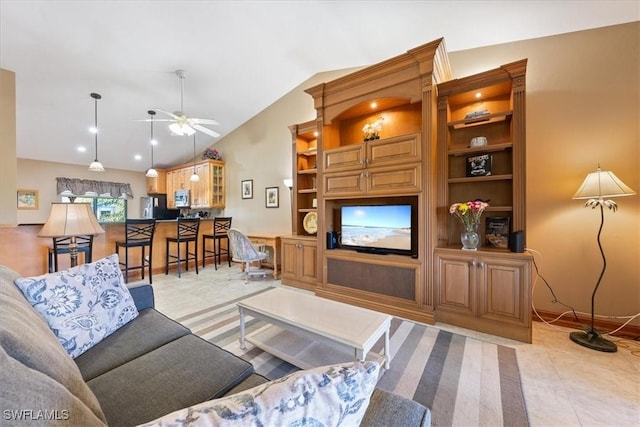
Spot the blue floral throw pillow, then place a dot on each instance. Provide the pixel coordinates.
(82, 305)
(321, 397)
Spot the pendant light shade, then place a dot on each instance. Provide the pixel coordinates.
(96, 166)
(194, 176)
(152, 173)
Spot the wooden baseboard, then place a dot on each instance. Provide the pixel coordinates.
(602, 325)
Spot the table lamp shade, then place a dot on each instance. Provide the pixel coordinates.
(70, 219)
(600, 184)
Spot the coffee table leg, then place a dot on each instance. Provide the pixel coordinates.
(387, 352)
(242, 345)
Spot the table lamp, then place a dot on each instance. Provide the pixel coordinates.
(71, 220)
(596, 186)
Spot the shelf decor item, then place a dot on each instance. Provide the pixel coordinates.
(596, 186)
(469, 214)
(497, 232)
(479, 165)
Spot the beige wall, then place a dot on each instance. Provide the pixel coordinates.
(582, 108)
(35, 174)
(8, 174)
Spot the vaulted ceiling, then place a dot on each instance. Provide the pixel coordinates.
(239, 57)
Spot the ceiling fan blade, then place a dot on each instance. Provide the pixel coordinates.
(168, 114)
(205, 122)
(206, 130)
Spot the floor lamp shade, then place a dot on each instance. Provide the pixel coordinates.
(596, 186)
(71, 220)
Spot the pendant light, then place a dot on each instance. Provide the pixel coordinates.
(194, 177)
(96, 166)
(152, 173)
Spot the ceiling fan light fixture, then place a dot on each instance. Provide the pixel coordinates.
(181, 129)
(96, 166)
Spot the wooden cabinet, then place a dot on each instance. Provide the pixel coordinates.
(158, 184)
(389, 166)
(395, 166)
(490, 105)
(488, 290)
(208, 192)
(299, 261)
(485, 291)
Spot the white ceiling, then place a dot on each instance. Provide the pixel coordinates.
(239, 57)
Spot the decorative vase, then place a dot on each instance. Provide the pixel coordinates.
(470, 238)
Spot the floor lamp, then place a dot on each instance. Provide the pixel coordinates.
(596, 186)
(71, 220)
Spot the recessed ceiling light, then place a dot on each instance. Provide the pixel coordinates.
(137, 157)
(478, 94)
(374, 105)
(81, 149)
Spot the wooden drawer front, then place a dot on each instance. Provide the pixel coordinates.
(343, 184)
(456, 287)
(405, 149)
(344, 158)
(503, 297)
(394, 179)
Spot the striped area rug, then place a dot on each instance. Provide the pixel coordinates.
(465, 381)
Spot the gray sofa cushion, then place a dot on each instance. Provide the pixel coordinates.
(150, 330)
(179, 374)
(32, 398)
(26, 337)
(387, 409)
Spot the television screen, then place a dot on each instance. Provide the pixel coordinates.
(377, 228)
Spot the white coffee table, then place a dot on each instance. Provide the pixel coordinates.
(302, 324)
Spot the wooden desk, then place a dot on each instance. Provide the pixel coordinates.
(271, 240)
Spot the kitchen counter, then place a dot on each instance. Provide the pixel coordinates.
(26, 241)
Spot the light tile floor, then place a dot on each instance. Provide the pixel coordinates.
(564, 384)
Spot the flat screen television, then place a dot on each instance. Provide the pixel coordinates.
(383, 229)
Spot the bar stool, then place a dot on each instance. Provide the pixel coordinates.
(138, 234)
(187, 232)
(61, 246)
(221, 226)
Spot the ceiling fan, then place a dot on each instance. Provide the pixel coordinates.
(182, 124)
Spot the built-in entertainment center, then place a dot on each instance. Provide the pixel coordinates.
(375, 174)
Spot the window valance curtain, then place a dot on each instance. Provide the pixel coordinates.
(91, 188)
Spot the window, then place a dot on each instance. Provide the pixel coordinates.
(106, 209)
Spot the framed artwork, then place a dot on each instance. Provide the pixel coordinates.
(246, 187)
(27, 199)
(271, 197)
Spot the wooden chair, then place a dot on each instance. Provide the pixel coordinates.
(138, 234)
(221, 226)
(61, 246)
(187, 233)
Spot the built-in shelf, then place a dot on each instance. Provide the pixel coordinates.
(483, 120)
(308, 171)
(486, 149)
(308, 191)
(480, 178)
(310, 152)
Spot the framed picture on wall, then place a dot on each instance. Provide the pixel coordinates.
(246, 187)
(27, 199)
(271, 197)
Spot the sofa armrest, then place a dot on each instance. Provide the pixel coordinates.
(142, 296)
(388, 409)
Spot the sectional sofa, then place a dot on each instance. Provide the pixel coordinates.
(149, 367)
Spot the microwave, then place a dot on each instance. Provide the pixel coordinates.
(181, 199)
